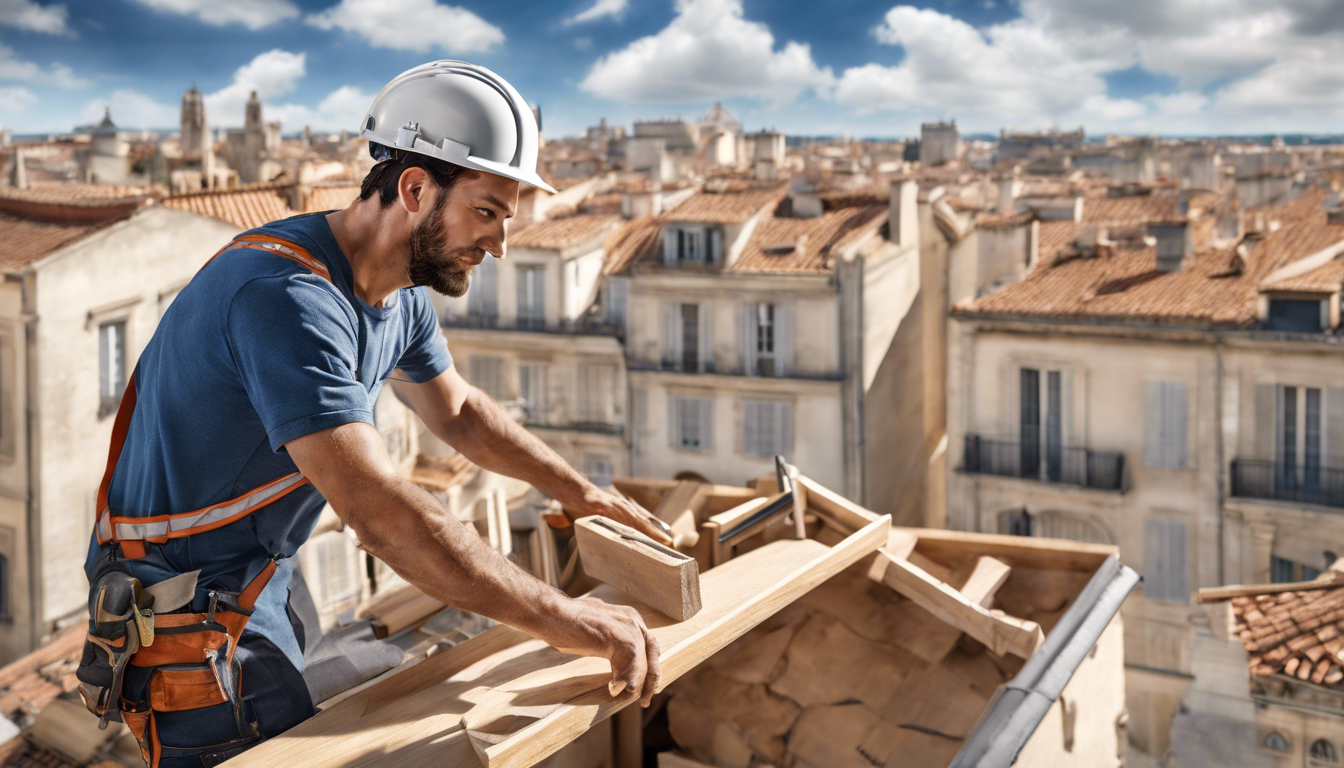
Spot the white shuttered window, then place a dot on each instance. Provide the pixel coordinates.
(1166, 417)
(532, 389)
(1164, 561)
(767, 427)
(690, 422)
(487, 373)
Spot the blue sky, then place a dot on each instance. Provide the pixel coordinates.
(867, 68)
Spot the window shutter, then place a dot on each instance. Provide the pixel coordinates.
(783, 338)
(706, 332)
(1154, 563)
(1334, 427)
(746, 321)
(671, 333)
(716, 254)
(1152, 423)
(1176, 426)
(785, 422)
(1177, 589)
(707, 424)
(770, 427)
(750, 427)
(1067, 386)
(673, 423)
(483, 295)
(1265, 412)
(618, 296)
(669, 246)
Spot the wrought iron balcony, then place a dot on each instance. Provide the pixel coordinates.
(676, 365)
(1302, 482)
(582, 326)
(1033, 460)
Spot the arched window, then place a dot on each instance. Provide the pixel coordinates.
(1324, 751)
(1015, 522)
(1277, 742)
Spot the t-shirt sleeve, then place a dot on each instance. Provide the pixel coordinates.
(426, 354)
(295, 350)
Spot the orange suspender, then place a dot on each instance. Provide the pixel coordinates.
(132, 532)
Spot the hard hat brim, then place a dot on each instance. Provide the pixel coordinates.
(531, 178)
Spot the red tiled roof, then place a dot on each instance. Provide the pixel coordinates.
(19, 752)
(1215, 286)
(31, 682)
(787, 245)
(330, 198)
(1299, 634)
(27, 240)
(724, 207)
(638, 240)
(78, 194)
(557, 234)
(246, 207)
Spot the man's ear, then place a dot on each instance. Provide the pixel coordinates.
(411, 188)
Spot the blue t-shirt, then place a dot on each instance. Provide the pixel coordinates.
(254, 352)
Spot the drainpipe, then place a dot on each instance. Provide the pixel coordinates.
(1219, 457)
(32, 505)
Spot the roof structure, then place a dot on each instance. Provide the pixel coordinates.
(246, 207)
(1294, 630)
(28, 240)
(638, 240)
(1216, 286)
(330, 198)
(805, 245)
(558, 234)
(731, 206)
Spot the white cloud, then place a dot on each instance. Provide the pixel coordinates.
(272, 74)
(59, 75)
(15, 99)
(131, 109)
(709, 51)
(411, 25)
(342, 109)
(26, 14)
(598, 10)
(253, 14)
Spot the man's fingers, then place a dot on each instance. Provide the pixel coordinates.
(628, 668)
(655, 668)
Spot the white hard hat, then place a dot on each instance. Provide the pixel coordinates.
(460, 113)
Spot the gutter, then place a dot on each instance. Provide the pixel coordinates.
(1019, 706)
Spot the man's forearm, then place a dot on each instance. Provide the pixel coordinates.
(485, 434)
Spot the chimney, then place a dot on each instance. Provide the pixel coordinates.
(903, 214)
(1173, 244)
(1009, 188)
(20, 178)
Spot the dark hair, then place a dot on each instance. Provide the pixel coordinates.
(384, 177)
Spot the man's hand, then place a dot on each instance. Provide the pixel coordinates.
(618, 634)
(622, 510)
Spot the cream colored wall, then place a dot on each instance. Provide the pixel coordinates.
(1081, 728)
(814, 345)
(156, 250)
(1302, 726)
(565, 298)
(817, 428)
(19, 634)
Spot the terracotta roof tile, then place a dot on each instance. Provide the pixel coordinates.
(788, 245)
(247, 207)
(638, 240)
(85, 194)
(27, 241)
(32, 681)
(728, 207)
(558, 234)
(1294, 633)
(1215, 286)
(1131, 209)
(330, 198)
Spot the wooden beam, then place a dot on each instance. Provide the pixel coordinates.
(524, 700)
(1216, 594)
(1000, 633)
(837, 507)
(1014, 550)
(720, 552)
(661, 578)
(678, 510)
(628, 735)
(980, 581)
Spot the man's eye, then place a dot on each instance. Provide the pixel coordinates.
(486, 212)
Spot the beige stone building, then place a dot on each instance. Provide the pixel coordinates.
(1174, 392)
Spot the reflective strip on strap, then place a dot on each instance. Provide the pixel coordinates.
(187, 523)
(304, 259)
(104, 525)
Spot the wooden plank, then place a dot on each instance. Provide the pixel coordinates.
(628, 735)
(675, 760)
(980, 581)
(725, 521)
(661, 578)
(722, 498)
(1055, 554)
(1000, 633)
(842, 510)
(678, 510)
(1215, 594)
(646, 492)
(416, 718)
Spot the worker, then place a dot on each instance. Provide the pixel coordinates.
(251, 408)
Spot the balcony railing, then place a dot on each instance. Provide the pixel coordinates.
(672, 365)
(1082, 467)
(591, 427)
(581, 326)
(1300, 483)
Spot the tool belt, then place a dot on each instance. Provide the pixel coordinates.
(190, 656)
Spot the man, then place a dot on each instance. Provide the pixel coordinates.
(252, 405)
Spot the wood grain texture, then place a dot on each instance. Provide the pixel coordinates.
(657, 576)
(504, 683)
(1001, 633)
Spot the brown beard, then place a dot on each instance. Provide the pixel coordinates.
(432, 263)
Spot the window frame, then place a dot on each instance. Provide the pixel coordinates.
(110, 392)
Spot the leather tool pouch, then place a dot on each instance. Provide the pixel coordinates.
(191, 666)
